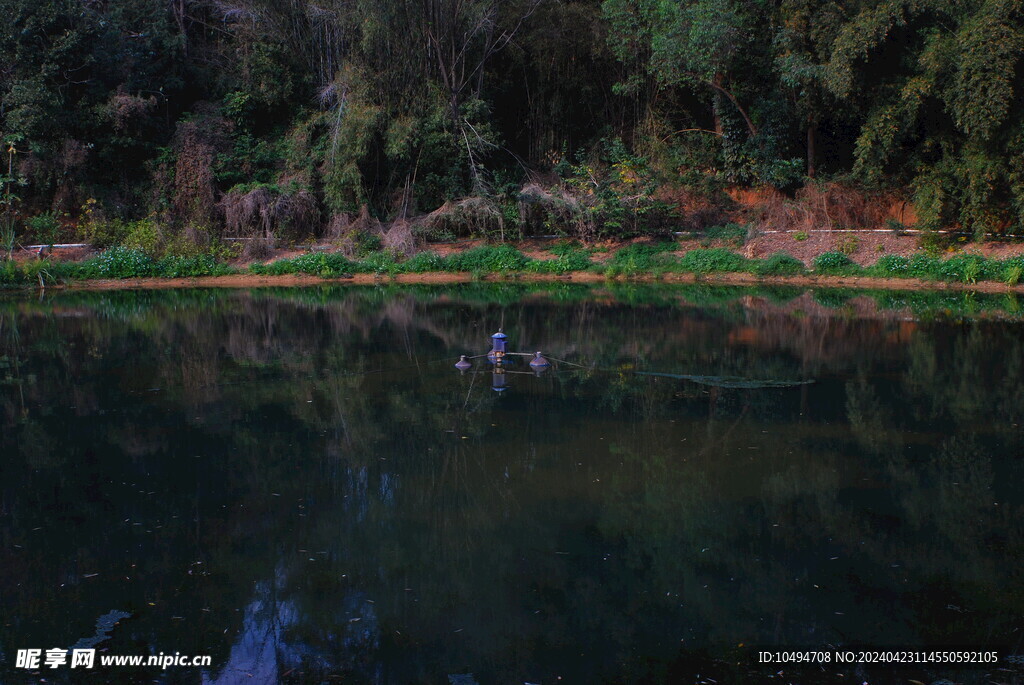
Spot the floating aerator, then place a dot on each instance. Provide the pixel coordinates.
(539, 361)
(498, 342)
(501, 359)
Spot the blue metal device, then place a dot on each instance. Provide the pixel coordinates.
(499, 341)
(538, 361)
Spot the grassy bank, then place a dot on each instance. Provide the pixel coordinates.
(651, 261)
(654, 260)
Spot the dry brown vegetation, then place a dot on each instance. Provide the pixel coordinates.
(264, 216)
(126, 111)
(828, 206)
(346, 232)
(696, 211)
(197, 143)
(467, 217)
(542, 208)
(400, 239)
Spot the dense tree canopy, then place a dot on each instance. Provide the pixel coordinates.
(164, 109)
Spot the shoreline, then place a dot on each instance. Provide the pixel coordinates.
(247, 280)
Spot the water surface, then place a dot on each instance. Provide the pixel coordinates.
(299, 484)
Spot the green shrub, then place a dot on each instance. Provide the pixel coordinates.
(94, 227)
(489, 259)
(932, 242)
(33, 273)
(323, 264)
(1012, 270)
(369, 243)
(848, 245)
(780, 264)
(425, 262)
(278, 268)
(124, 262)
(314, 263)
(45, 228)
(569, 258)
(121, 262)
(641, 258)
(11, 274)
(969, 269)
(612, 196)
(972, 270)
(965, 268)
(924, 265)
(716, 259)
(485, 259)
(379, 263)
(190, 267)
(801, 236)
(143, 235)
(225, 251)
(833, 262)
(892, 265)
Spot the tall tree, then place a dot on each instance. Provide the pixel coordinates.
(938, 86)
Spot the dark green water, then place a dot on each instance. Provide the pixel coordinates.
(299, 484)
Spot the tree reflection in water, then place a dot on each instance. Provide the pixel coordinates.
(296, 482)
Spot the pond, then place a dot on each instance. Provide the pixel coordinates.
(299, 484)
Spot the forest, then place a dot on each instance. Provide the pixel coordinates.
(172, 126)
